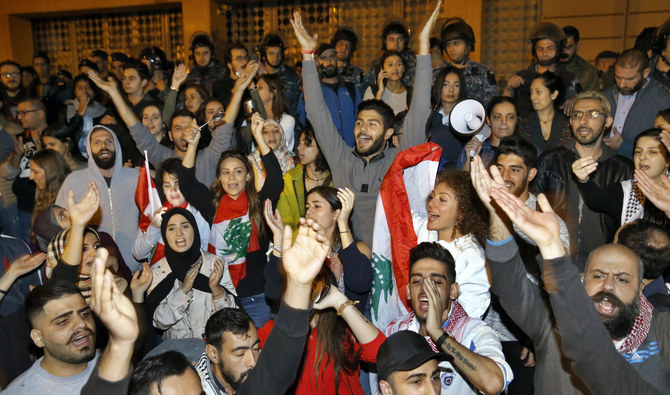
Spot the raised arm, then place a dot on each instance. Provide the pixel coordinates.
(517, 294)
(80, 213)
(414, 126)
(302, 262)
(331, 142)
(116, 311)
(109, 86)
(178, 77)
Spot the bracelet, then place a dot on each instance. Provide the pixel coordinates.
(2, 291)
(440, 341)
(309, 51)
(172, 88)
(345, 231)
(274, 247)
(345, 305)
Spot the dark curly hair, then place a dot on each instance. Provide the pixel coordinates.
(472, 215)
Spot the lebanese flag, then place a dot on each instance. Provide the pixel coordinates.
(401, 199)
(146, 196)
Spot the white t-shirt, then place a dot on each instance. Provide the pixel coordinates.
(397, 101)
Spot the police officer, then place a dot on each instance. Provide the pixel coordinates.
(345, 42)
(458, 40)
(395, 37)
(546, 42)
(272, 59)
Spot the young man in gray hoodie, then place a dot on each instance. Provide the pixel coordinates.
(118, 214)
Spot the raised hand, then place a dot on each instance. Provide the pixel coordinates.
(424, 36)
(157, 218)
(215, 278)
(583, 167)
(114, 309)
(80, 213)
(542, 227)
(303, 260)
(247, 76)
(659, 194)
(347, 198)
(140, 282)
(179, 75)
(483, 183)
(192, 133)
(274, 221)
(307, 42)
(109, 86)
(189, 279)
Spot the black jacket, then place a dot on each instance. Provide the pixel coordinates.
(556, 180)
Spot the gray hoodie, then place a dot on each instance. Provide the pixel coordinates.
(118, 214)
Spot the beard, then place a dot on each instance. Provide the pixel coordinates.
(61, 352)
(619, 325)
(230, 376)
(105, 163)
(630, 91)
(374, 147)
(588, 140)
(328, 72)
(546, 62)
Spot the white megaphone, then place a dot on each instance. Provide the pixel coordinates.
(469, 117)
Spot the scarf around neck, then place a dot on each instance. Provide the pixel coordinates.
(234, 235)
(640, 328)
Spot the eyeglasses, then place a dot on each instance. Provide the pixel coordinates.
(11, 75)
(21, 113)
(591, 114)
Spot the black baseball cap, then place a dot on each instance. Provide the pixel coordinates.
(404, 351)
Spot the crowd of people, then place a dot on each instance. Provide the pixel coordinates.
(237, 227)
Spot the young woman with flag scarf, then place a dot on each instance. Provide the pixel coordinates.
(238, 233)
(148, 243)
(188, 284)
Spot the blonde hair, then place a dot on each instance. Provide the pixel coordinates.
(593, 95)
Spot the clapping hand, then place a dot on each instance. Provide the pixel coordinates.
(140, 282)
(215, 278)
(659, 194)
(189, 279)
(274, 222)
(583, 167)
(347, 198)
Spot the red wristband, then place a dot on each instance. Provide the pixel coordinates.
(309, 51)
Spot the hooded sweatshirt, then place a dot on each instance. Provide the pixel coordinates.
(118, 214)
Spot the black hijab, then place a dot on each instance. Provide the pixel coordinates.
(179, 262)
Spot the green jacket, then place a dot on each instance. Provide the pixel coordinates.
(291, 204)
(585, 72)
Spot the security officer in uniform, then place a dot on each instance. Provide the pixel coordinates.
(546, 42)
(395, 37)
(272, 60)
(458, 40)
(345, 42)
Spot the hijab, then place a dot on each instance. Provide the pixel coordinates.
(179, 262)
(284, 157)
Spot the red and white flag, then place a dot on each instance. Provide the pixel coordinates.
(402, 196)
(146, 196)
